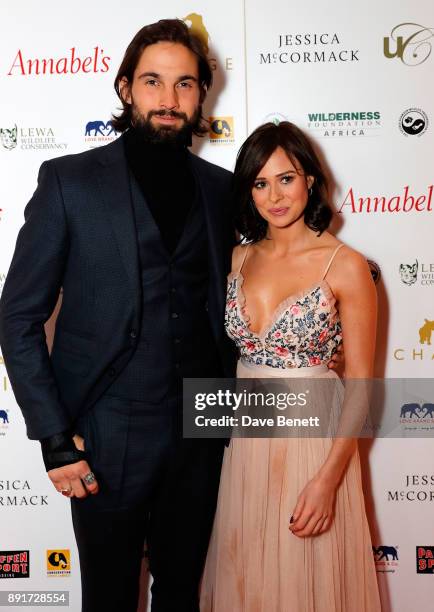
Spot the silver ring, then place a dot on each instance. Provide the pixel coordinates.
(89, 478)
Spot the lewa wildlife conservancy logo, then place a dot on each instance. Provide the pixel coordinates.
(345, 124)
(425, 559)
(422, 351)
(386, 559)
(416, 273)
(30, 139)
(410, 43)
(58, 562)
(221, 130)
(413, 122)
(311, 48)
(97, 133)
(416, 488)
(197, 25)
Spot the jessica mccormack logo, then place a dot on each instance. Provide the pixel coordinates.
(309, 48)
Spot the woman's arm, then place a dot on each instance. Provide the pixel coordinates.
(355, 292)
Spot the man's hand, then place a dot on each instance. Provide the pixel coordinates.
(337, 360)
(69, 480)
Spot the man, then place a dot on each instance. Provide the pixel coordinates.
(137, 234)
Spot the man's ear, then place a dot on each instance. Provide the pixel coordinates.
(125, 90)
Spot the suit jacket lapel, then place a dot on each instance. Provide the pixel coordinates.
(114, 184)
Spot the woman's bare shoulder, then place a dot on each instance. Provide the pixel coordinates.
(350, 268)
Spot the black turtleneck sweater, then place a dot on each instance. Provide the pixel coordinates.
(166, 179)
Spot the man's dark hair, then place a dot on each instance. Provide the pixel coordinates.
(253, 156)
(165, 30)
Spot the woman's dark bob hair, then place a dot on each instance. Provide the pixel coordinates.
(253, 156)
(165, 30)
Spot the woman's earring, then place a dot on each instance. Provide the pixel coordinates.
(310, 191)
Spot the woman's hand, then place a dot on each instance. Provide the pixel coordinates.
(313, 513)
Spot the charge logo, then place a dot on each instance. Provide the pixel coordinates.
(59, 562)
(425, 559)
(221, 130)
(14, 564)
(197, 26)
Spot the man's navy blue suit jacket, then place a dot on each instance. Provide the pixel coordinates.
(79, 236)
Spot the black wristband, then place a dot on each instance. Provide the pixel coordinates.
(60, 450)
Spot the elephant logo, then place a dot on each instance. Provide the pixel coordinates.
(408, 273)
(4, 418)
(99, 127)
(58, 562)
(197, 26)
(411, 410)
(420, 411)
(221, 128)
(429, 410)
(383, 552)
(425, 332)
(9, 137)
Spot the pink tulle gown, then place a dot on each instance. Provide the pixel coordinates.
(254, 563)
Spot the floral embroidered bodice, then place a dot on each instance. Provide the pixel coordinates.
(304, 330)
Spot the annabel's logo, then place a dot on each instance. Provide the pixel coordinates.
(410, 42)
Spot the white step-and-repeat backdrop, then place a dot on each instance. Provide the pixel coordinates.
(359, 79)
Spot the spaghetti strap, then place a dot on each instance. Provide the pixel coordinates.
(246, 248)
(331, 259)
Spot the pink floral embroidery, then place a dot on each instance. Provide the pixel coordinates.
(314, 360)
(282, 351)
(322, 336)
(305, 334)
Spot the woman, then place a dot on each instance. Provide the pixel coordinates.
(290, 533)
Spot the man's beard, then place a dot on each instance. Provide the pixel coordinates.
(165, 134)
